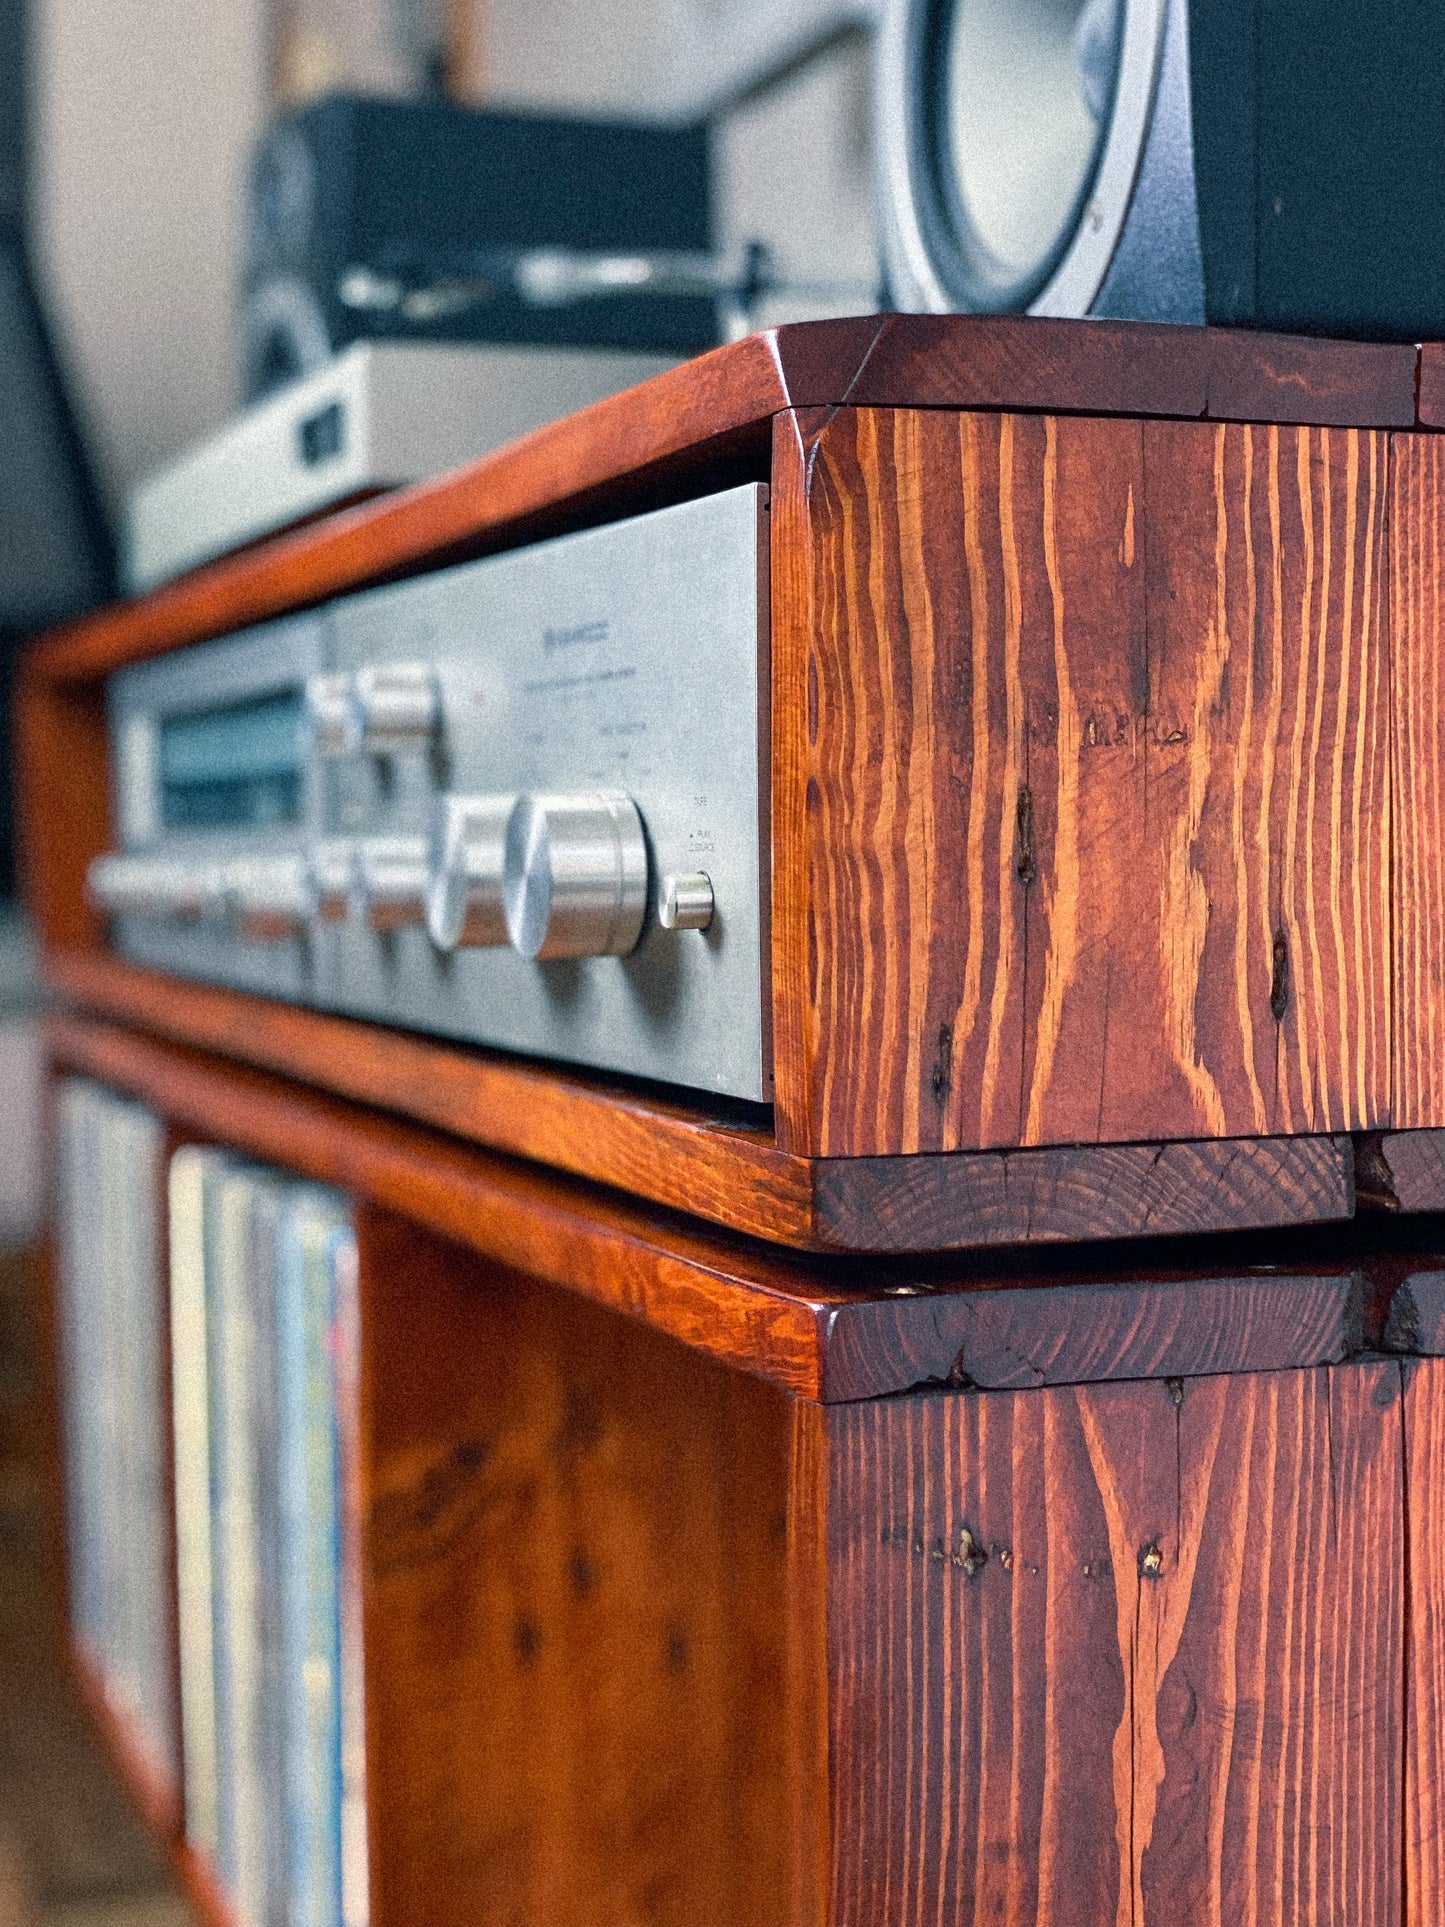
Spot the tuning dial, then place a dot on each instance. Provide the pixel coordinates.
(395, 707)
(328, 714)
(270, 896)
(390, 881)
(468, 858)
(576, 876)
(330, 871)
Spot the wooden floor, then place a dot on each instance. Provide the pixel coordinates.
(72, 1853)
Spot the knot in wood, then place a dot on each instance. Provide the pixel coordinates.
(972, 1554)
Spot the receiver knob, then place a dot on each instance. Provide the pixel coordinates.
(391, 878)
(330, 869)
(328, 714)
(395, 707)
(468, 859)
(576, 876)
(126, 886)
(270, 896)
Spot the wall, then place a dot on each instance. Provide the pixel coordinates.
(144, 111)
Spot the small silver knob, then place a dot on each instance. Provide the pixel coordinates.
(390, 882)
(197, 892)
(328, 714)
(468, 856)
(330, 869)
(576, 876)
(395, 708)
(686, 902)
(127, 886)
(270, 896)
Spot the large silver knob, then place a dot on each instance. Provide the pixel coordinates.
(576, 876)
(328, 713)
(270, 896)
(330, 872)
(390, 884)
(395, 707)
(468, 857)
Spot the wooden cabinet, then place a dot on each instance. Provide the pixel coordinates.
(742, 1538)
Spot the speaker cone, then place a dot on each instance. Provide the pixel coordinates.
(1011, 133)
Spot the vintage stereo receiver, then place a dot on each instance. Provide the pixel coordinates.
(520, 801)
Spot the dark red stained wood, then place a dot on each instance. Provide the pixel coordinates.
(1430, 404)
(1160, 1679)
(718, 405)
(1425, 1642)
(1417, 676)
(576, 1608)
(1415, 1321)
(1080, 1191)
(759, 1311)
(1406, 1170)
(1081, 825)
(1072, 1333)
(676, 1154)
(1106, 368)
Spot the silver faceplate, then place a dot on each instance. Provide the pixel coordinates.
(631, 657)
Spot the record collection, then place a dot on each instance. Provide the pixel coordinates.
(263, 1357)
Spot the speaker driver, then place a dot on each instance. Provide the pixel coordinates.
(1012, 135)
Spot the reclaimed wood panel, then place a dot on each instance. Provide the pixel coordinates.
(1424, 1410)
(676, 1153)
(1081, 788)
(575, 1610)
(758, 1310)
(1417, 611)
(1125, 1654)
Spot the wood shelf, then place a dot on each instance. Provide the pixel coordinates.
(855, 1329)
(156, 1801)
(674, 1153)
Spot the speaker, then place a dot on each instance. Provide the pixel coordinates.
(389, 219)
(1269, 163)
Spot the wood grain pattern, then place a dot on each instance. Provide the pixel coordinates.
(679, 422)
(1415, 1320)
(1405, 1170)
(1099, 1656)
(577, 1541)
(675, 1153)
(1078, 1331)
(1081, 797)
(1430, 381)
(1417, 608)
(1027, 362)
(758, 1310)
(1424, 1422)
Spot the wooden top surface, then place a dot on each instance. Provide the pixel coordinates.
(706, 424)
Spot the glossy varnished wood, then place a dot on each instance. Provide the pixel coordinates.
(675, 1153)
(855, 1330)
(1424, 1423)
(1417, 610)
(576, 1629)
(1081, 797)
(1123, 1654)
